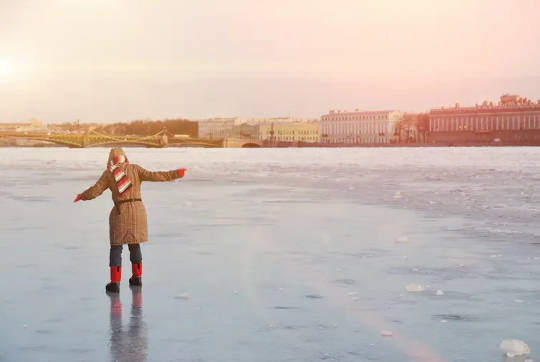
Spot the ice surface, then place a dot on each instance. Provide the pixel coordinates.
(414, 288)
(276, 255)
(402, 239)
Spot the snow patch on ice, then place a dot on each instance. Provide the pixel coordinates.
(514, 347)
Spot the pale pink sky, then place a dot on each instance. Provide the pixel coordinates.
(102, 60)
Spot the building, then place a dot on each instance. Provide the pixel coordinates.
(216, 128)
(514, 120)
(357, 127)
(292, 132)
(413, 128)
(274, 120)
(245, 130)
(239, 127)
(33, 126)
(12, 127)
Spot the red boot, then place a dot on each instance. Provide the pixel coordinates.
(116, 276)
(136, 279)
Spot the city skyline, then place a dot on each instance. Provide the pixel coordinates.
(96, 61)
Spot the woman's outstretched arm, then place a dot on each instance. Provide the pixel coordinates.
(146, 175)
(96, 190)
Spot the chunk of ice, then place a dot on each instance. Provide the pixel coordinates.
(413, 288)
(514, 347)
(439, 292)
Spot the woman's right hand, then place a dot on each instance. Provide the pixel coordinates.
(77, 198)
(181, 172)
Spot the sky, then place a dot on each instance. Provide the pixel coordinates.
(120, 60)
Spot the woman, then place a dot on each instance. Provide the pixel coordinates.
(127, 220)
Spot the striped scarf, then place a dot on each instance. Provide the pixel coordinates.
(122, 180)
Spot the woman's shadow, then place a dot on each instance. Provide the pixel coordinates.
(130, 344)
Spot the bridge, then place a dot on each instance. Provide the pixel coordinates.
(95, 139)
(240, 142)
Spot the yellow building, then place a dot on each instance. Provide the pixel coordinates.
(293, 132)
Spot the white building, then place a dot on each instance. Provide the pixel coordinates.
(359, 127)
(268, 121)
(216, 128)
(33, 126)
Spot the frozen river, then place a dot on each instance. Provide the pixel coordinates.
(276, 255)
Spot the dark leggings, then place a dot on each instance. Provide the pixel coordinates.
(135, 255)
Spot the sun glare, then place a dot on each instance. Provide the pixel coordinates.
(7, 70)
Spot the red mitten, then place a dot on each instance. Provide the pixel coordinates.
(77, 198)
(181, 172)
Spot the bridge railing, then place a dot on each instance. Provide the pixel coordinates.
(93, 138)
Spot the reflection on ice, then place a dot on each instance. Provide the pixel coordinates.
(128, 343)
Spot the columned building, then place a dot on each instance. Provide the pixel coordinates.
(512, 120)
(216, 128)
(294, 132)
(357, 127)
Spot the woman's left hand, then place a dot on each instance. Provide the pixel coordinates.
(77, 198)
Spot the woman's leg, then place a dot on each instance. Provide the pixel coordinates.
(135, 256)
(115, 262)
(115, 256)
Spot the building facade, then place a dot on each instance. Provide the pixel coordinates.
(245, 130)
(357, 127)
(413, 128)
(293, 132)
(33, 126)
(216, 128)
(273, 120)
(512, 120)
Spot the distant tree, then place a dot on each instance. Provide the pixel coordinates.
(148, 128)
